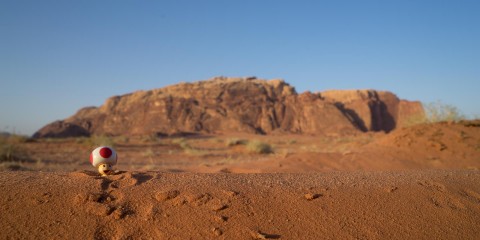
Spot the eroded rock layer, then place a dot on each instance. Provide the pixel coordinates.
(247, 105)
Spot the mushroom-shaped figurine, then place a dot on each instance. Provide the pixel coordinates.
(104, 158)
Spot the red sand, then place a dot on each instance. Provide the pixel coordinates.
(420, 182)
(440, 204)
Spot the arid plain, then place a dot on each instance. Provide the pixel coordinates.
(245, 159)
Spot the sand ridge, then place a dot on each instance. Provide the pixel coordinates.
(441, 204)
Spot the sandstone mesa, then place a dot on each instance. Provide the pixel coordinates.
(248, 105)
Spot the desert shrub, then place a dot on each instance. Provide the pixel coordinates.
(96, 140)
(149, 153)
(235, 141)
(150, 138)
(103, 140)
(414, 120)
(182, 143)
(13, 166)
(178, 141)
(185, 146)
(122, 139)
(440, 112)
(82, 140)
(11, 149)
(259, 147)
(14, 138)
(216, 140)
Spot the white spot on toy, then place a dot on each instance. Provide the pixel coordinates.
(104, 158)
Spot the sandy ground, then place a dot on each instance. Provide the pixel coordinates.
(430, 146)
(421, 182)
(436, 204)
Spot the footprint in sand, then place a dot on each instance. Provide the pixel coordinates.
(119, 180)
(441, 197)
(199, 199)
(102, 204)
(472, 197)
(217, 205)
(166, 195)
(447, 202)
(438, 191)
(433, 185)
(127, 179)
(103, 233)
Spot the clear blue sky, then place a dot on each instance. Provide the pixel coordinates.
(59, 56)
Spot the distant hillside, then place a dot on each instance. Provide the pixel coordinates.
(247, 105)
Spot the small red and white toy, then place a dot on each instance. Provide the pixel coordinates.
(104, 158)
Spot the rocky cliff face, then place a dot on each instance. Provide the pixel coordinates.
(236, 105)
(374, 110)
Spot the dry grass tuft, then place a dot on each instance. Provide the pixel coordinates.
(11, 149)
(96, 140)
(235, 141)
(259, 147)
(12, 166)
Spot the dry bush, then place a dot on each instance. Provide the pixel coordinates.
(150, 138)
(96, 141)
(122, 139)
(235, 141)
(414, 120)
(440, 112)
(13, 166)
(11, 149)
(178, 141)
(182, 143)
(259, 147)
(435, 112)
(186, 147)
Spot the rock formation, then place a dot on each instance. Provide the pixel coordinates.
(374, 110)
(248, 105)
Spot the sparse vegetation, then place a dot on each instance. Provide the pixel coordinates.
(97, 140)
(122, 139)
(235, 141)
(440, 112)
(149, 153)
(12, 166)
(150, 138)
(11, 150)
(259, 147)
(182, 143)
(414, 120)
(435, 112)
(178, 140)
(186, 147)
(103, 140)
